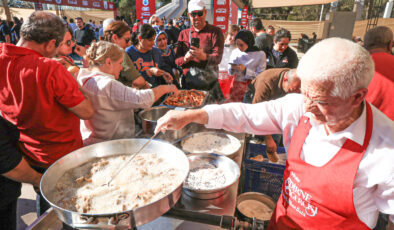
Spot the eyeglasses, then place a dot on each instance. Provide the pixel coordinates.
(195, 13)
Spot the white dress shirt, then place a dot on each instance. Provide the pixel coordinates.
(373, 189)
(113, 105)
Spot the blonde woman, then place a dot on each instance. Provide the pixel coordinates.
(112, 101)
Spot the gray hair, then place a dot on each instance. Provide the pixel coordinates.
(42, 27)
(378, 37)
(107, 22)
(291, 75)
(153, 18)
(340, 61)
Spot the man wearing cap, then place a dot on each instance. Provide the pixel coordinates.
(339, 167)
(211, 43)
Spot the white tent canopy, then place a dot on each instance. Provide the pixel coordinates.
(281, 3)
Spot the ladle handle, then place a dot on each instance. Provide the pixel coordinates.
(132, 157)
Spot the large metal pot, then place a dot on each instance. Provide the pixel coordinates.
(127, 219)
(149, 119)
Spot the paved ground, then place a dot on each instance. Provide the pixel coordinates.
(26, 207)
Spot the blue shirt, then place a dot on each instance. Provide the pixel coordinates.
(145, 61)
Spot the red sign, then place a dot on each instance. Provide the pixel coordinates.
(233, 14)
(38, 6)
(244, 17)
(145, 9)
(221, 14)
(95, 4)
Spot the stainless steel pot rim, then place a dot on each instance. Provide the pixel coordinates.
(211, 132)
(140, 114)
(214, 156)
(106, 214)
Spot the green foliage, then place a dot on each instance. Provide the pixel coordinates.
(127, 10)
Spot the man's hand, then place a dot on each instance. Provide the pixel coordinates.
(80, 50)
(154, 71)
(168, 78)
(271, 145)
(188, 57)
(198, 53)
(174, 120)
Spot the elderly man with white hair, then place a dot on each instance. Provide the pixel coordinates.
(339, 169)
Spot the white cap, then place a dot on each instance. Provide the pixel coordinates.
(196, 5)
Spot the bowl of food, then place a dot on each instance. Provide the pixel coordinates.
(210, 175)
(212, 142)
(255, 204)
(187, 99)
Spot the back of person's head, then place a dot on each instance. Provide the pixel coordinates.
(233, 28)
(65, 18)
(71, 20)
(257, 24)
(171, 22)
(98, 52)
(117, 27)
(345, 64)
(42, 27)
(16, 20)
(146, 32)
(378, 37)
(282, 33)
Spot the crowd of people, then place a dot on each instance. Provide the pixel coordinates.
(65, 85)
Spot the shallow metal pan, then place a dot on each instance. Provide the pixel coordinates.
(126, 219)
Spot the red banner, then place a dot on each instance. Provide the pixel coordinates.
(244, 17)
(221, 14)
(94, 4)
(145, 9)
(233, 14)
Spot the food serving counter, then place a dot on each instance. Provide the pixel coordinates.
(224, 205)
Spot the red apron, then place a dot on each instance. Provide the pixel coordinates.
(320, 197)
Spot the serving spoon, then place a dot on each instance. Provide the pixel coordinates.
(132, 157)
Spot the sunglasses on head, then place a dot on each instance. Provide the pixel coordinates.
(199, 13)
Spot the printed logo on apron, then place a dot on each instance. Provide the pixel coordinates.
(297, 198)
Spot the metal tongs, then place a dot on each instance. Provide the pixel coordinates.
(132, 157)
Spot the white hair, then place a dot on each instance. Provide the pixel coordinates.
(153, 18)
(344, 63)
(107, 22)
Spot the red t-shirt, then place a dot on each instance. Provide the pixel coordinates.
(381, 88)
(35, 94)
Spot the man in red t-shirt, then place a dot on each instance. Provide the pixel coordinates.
(379, 42)
(38, 95)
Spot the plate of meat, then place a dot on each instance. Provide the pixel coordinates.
(187, 99)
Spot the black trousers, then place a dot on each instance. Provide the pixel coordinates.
(8, 216)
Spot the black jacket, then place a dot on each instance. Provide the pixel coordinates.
(288, 59)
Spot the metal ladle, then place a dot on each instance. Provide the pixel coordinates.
(132, 157)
